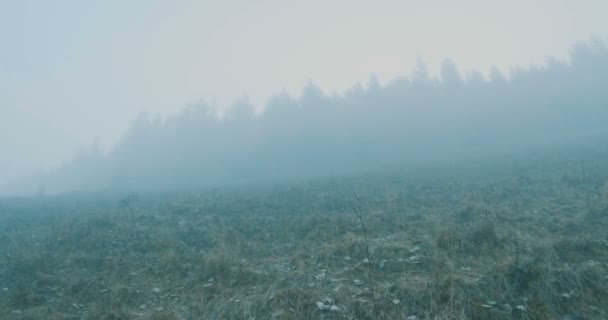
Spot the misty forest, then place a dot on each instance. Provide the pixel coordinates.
(455, 195)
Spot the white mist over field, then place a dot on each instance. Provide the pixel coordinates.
(291, 83)
(282, 159)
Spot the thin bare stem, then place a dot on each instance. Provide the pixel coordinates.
(356, 207)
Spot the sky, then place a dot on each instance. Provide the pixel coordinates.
(75, 72)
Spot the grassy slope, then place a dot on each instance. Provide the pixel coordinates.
(524, 240)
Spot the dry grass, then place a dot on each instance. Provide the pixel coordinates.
(497, 247)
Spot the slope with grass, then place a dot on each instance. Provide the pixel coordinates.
(523, 239)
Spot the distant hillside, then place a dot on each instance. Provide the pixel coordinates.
(409, 121)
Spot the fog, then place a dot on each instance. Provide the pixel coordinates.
(272, 159)
(73, 72)
(410, 122)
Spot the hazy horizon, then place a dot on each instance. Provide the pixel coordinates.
(409, 121)
(108, 144)
(75, 73)
(272, 159)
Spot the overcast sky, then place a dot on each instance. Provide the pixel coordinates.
(74, 71)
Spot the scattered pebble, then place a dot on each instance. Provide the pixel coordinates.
(327, 304)
(329, 301)
(415, 259)
(321, 275)
(382, 263)
(277, 313)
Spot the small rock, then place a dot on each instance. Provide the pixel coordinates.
(382, 263)
(322, 306)
(412, 318)
(415, 259)
(327, 305)
(156, 290)
(321, 275)
(277, 313)
(396, 301)
(521, 307)
(357, 282)
(142, 307)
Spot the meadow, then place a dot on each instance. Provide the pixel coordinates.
(518, 238)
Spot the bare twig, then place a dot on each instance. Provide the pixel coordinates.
(355, 204)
